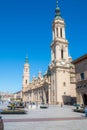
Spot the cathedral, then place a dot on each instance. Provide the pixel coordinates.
(58, 84)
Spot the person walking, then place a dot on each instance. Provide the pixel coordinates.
(61, 104)
(86, 111)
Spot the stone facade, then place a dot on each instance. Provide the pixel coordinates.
(38, 90)
(81, 79)
(5, 96)
(18, 95)
(58, 84)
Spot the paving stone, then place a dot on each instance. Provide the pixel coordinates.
(53, 118)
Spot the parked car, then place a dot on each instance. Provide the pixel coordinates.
(43, 106)
(76, 105)
(1, 124)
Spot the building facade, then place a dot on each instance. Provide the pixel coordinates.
(58, 84)
(18, 96)
(81, 79)
(5, 96)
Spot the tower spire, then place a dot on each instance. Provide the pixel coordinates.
(57, 11)
(56, 3)
(26, 59)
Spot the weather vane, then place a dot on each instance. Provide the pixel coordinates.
(57, 3)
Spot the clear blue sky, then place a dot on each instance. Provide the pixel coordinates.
(25, 28)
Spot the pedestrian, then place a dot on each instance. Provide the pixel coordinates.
(61, 105)
(86, 111)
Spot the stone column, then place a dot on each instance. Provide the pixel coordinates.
(81, 99)
(49, 94)
(32, 95)
(55, 33)
(56, 78)
(38, 96)
(44, 95)
(63, 32)
(78, 98)
(58, 31)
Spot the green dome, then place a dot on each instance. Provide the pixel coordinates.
(57, 11)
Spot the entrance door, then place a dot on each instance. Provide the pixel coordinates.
(85, 99)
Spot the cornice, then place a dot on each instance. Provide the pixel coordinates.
(58, 41)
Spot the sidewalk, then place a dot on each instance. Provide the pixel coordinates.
(53, 118)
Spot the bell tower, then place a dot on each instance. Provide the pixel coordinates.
(26, 74)
(59, 46)
(60, 63)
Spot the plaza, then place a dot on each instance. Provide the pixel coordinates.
(54, 117)
(56, 87)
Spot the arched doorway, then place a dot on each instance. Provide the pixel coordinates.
(85, 99)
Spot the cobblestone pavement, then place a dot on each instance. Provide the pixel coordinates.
(53, 118)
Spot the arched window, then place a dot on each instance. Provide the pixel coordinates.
(61, 32)
(82, 76)
(64, 84)
(26, 81)
(57, 32)
(26, 69)
(62, 53)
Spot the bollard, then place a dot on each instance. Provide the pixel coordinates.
(1, 124)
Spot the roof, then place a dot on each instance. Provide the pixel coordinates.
(80, 59)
